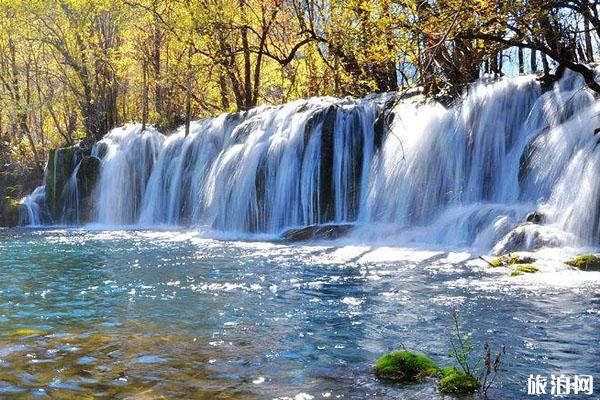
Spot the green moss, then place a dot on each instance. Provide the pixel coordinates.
(10, 210)
(521, 269)
(497, 262)
(509, 259)
(454, 381)
(519, 260)
(587, 262)
(526, 268)
(405, 367)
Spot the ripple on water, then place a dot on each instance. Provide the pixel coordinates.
(118, 314)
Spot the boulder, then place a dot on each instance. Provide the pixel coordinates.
(317, 232)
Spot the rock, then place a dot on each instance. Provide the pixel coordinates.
(510, 259)
(101, 148)
(529, 237)
(10, 210)
(457, 382)
(536, 218)
(405, 367)
(520, 269)
(326, 193)
(529, 153)
(317, 232)
(384, 119)
(87, 176)
(587, 262)
(61, 163)
(321, 126)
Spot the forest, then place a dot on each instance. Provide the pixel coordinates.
(70, 70)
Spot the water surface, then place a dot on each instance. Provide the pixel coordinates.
(144, 314)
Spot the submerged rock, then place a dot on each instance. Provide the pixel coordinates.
(455, 381)
(587, 262)
(317, 232)
(10, 210)
(405, 367)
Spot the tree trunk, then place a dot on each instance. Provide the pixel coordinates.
(589, 49)
(533, 61)
(247, 69)
(188, 92)
(156, 65)
(521, 61)
(545, 65)
(144, 93)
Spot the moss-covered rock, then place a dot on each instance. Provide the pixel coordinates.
(509, 260)
(405, 367)
(587, 262)
(457, 382)
(520, 269)
(10, 210)
(87, 177)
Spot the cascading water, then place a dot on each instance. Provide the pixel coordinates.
(464, 175)
(128, 158)
(32, 211)
(259, 171)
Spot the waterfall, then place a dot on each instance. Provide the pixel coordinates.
(468, 174)
(257, 171)
(128, 158)
(33, 210)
